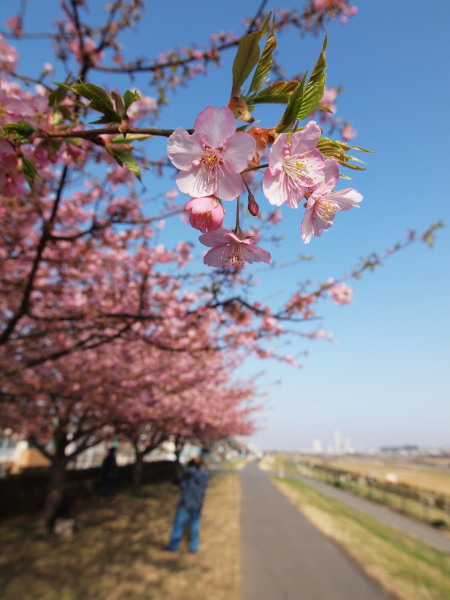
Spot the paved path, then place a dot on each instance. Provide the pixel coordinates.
(285, 558)
(415, 528)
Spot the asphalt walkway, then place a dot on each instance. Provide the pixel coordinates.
(413, 527)
(285, 558)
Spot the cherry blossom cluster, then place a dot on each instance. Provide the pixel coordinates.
(213, 162)
(315, 14)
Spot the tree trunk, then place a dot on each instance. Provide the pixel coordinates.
(55, 490)
(138, 468)
(179, 445)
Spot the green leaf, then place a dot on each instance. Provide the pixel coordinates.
(103, 121)
(315, 87)
(336, 150)
(30, 172)
(347, 147)
(311, 98)
(98, 99)
(321, 63)
(74, 142)
(126, 159)
(278, 92)
(120, 108)
(57, 96)
(293, 107)
(247, 57)
(129, 97)
(265, 63)
(133, 137)
(21, 129)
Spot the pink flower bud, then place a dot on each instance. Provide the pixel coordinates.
(253, 207)
(205, 213)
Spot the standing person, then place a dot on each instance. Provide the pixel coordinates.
(108, 473)
(193, 484)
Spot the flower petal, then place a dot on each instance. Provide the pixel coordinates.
(213, 239)
(314, 165)
(238, 151)
(348, 198)
(306, 139)
(215, 125)
(277, 153)
(307, 226)
(229, 185)
(195, 182)
(256, 254)
(223, 256)
(273, 188)
(331, 177)
(183, 149)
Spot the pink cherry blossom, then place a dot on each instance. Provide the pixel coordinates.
(295, 165)
(228, 250)
(341, 293)
(211, 159)
(324, 203)
(275, 217)
(15, 25)
(8, 56)
(205, 214)
(143, 107)
(329, 98)
(348, 133)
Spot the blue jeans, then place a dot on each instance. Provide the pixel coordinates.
(182, 516)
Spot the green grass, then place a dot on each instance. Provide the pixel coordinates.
(404, 566)
(409, 506)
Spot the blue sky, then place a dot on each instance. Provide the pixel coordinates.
(387, 382)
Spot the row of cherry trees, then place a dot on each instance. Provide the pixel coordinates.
(104, 330)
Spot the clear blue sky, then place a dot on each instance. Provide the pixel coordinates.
(387, 382)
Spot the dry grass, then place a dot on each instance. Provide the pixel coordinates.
(409, 569)
(238, 464)
(428, 475)
(434, 477)
(118, 551)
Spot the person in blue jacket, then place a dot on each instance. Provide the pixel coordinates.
(193, 484)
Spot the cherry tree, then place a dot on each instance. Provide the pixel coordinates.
(143, 394)
(102, 325)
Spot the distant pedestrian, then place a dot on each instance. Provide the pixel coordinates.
(108, 474)
(193, 484)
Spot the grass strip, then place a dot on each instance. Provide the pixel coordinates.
(405, 567)
(118, 551)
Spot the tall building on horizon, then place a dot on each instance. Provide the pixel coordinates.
(317, 447)
(337, 442)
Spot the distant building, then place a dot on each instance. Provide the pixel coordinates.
(317, 447)
(347, 446)
(337, 442)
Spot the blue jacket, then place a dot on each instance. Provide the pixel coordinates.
(193, 486)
